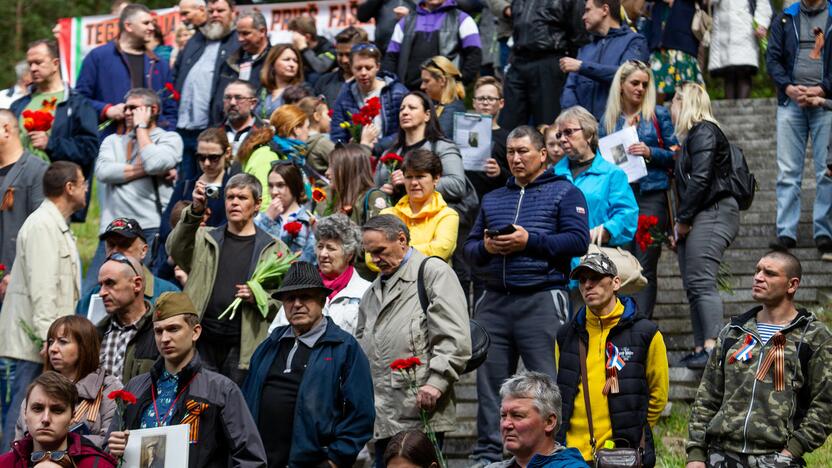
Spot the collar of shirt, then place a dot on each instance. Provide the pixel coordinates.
(309, 338)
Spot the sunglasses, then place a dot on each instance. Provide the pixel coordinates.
(206, 157)
(363, 46)
(132, 108)
(121, 258)
(567, 132)
(39, 455)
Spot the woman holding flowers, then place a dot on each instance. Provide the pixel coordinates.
(285, 139)
(72, 349)
(286, 218)
(371, 85)
(433, 224)
(632, 102)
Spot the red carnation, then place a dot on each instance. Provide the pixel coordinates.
(405, 364)
(293, 228)
(122, 395)
(390, 158)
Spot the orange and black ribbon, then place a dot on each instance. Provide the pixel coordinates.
(8, 200)
(195, 409)
(777, 356)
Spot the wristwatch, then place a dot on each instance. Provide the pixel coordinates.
(143, 125)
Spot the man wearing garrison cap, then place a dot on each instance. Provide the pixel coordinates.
(179, 391)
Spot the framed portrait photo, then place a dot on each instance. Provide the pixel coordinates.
(158, 447)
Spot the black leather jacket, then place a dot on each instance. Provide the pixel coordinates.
(548, 26)
(702, 170)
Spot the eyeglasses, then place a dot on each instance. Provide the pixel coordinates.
(39, 455)
(486, 99)
(567, 132)
(214, 158)
(363, 46)
(121, 258)
(236, 97)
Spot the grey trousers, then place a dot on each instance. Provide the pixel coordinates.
(520, 326)
(700, 254)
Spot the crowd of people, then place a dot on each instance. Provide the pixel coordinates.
(299, 258)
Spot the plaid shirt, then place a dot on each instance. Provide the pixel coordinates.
(114, 347)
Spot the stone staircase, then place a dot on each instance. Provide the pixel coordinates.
(751, 125)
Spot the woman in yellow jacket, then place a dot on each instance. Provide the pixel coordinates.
(433, 224)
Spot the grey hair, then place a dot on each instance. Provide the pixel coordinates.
(535, 137)
(20, 69)
(150, 98)
(585, 120)
(243, 180)
(338, 227)
(257, 19)
(540, 388)
(388, 225)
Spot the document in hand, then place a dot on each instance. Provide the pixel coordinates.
(613, 148)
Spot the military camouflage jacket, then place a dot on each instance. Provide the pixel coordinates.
(737, 412)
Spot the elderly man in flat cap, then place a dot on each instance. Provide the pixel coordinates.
(178, 390)
(313, 378)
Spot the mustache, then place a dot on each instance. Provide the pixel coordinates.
(214, 31)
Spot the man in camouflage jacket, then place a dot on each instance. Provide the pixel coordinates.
(765, 405)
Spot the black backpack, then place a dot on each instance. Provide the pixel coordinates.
(743, 182)
(480, 341)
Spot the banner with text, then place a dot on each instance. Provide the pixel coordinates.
(78, 36)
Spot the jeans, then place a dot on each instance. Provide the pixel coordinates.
(188, 168)
(520, 326)
(91, 278)
(24, 373)
(794, 125)
(532, 90)
(700, 253)
(650, 204)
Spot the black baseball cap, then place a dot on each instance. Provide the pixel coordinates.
(124, 227)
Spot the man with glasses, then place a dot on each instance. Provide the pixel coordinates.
(136, 170)
(591, 74)
(45, 280)
(111, 70)
(127, 347)
(522, 243)
(238, 103)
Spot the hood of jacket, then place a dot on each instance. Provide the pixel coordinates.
(429, 209)
(77, 446)
(630, 314)
(794, 9)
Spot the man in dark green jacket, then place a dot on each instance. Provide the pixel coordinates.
(766, 395)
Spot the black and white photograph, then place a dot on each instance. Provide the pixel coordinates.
(153, 452)
(619, 154)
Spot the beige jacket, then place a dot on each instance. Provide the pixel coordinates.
(45, 282)
(391, 325)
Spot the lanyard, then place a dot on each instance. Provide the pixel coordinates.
(172, 405)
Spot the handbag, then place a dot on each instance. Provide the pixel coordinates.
(607, 458)
(480, 340)
(629, 269)
(702, 24)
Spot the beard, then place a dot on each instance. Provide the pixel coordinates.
(214, 31)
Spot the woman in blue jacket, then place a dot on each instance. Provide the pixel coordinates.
(632, 102)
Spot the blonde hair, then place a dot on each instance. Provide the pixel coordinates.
(585, 120)
(441, 67)
(695, 107)
(614, 107)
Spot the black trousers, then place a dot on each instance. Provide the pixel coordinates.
(532, 89)
(650, 204)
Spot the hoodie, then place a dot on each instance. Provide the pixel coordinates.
(82, 452)
(433, 230)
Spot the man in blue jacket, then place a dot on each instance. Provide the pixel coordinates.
(73, 135)
(110, 70)
(521, 244)
(801, 73)
(591, 74)
(309, 387)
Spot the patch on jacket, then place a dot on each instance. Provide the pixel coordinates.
(580, 210)
(626, 353)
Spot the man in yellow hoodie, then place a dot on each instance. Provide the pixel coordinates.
(626, 366)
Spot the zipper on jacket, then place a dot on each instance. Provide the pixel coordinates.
(516, 217)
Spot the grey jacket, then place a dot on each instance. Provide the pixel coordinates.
(498, 7)
(89, 388)
(24, 183)
(391, 325)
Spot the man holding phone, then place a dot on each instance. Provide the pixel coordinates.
(521, 245)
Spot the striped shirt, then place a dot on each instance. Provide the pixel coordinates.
(767, 330)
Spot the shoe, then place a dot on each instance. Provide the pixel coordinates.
(824, 244)
(698, 361)
(783, 243)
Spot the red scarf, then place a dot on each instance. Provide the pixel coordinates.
(339, 282)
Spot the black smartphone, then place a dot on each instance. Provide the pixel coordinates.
(508, 229)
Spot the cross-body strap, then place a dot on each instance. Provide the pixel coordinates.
(424, 301)
(585, 385)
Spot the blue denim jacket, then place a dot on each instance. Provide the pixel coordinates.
(662, 157)
(304, 242)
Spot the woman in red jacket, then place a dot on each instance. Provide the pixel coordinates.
(50, 404)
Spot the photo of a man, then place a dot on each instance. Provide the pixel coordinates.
(619, 154)
(153, 452)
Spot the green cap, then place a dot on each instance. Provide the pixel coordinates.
(171, 304)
